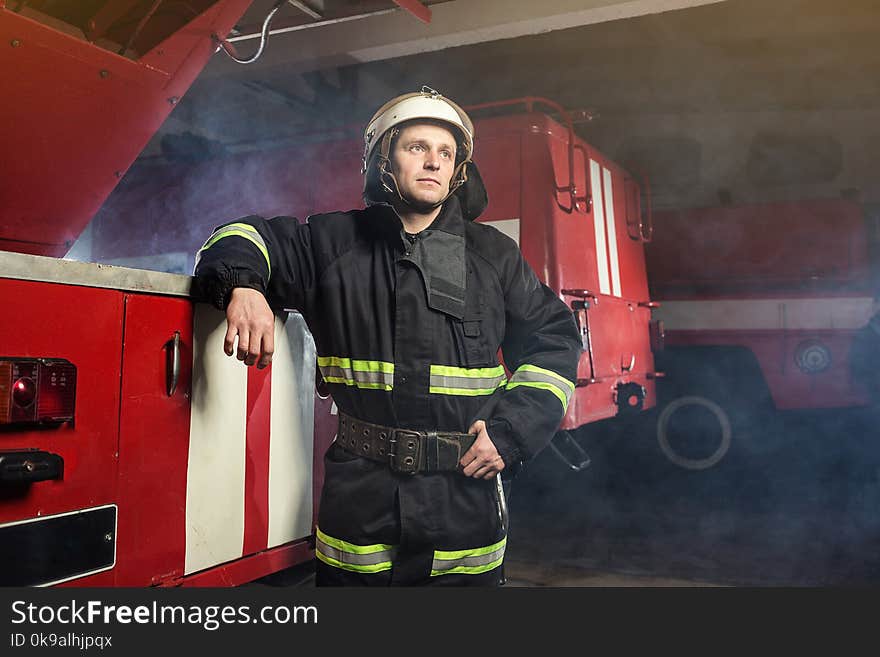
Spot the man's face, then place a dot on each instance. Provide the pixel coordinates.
(423, 160)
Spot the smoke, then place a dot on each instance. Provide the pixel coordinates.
(800, 514)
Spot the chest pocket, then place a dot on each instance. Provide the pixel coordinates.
(472, 333)
(474, 345)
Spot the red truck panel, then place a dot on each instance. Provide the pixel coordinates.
(153, 441)
(772, 279)
(53, 184)
(37, 323)
(759, 250)
(144, 470)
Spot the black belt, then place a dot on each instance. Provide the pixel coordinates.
(404, 450)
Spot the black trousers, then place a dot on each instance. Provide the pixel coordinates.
(381, 528)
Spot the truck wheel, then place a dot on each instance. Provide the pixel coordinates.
(694, 432)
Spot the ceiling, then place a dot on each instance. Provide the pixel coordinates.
(734, 101)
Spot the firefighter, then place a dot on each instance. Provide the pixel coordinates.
(409, 301)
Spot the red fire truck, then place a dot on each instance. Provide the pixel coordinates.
(760, 304)
(132, 450)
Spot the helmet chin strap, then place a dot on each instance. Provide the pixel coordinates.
(459, 176)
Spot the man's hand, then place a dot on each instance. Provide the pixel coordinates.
(482, 459)
(249, 317)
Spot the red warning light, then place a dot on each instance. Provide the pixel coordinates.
(24, 392)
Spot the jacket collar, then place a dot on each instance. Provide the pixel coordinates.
(438, 253)
(389, 224)
(449, 220)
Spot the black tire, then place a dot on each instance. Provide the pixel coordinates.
(714, 408)
(717, 432)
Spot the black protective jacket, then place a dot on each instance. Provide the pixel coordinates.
(408, 334)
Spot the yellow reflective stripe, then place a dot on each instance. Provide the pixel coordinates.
(245, 231)
(349, 556)
(468, 562)
(245, 227)
(351, 547)
(369, 374)
(533, 376)
(471, 372)
(469, 570)
(543, 386)
(366, 385)
(473, 552)
(357, 365)
(567, 385)
(463, 392)
(375, 568)
(466, 381)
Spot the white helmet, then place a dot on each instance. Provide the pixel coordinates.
(424, 104)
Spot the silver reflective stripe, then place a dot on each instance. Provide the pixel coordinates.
(466, 382)
(449, 380)
(331, 372)
(372, 374)
(356, 558)
(533, 376)
(469, 562)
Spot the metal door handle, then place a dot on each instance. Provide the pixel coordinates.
(172, 363)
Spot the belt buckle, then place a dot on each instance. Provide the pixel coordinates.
(406, 460)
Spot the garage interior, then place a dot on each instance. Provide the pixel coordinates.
(717, 103)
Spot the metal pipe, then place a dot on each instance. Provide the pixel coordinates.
(306, 26)
(264, 35)
(304, 8)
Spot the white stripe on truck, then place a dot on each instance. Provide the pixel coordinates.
(765, 314)
(612, 232)
(216, 462)
(599, 227)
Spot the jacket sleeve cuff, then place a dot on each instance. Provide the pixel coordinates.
(217, 289)
(503, 437)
